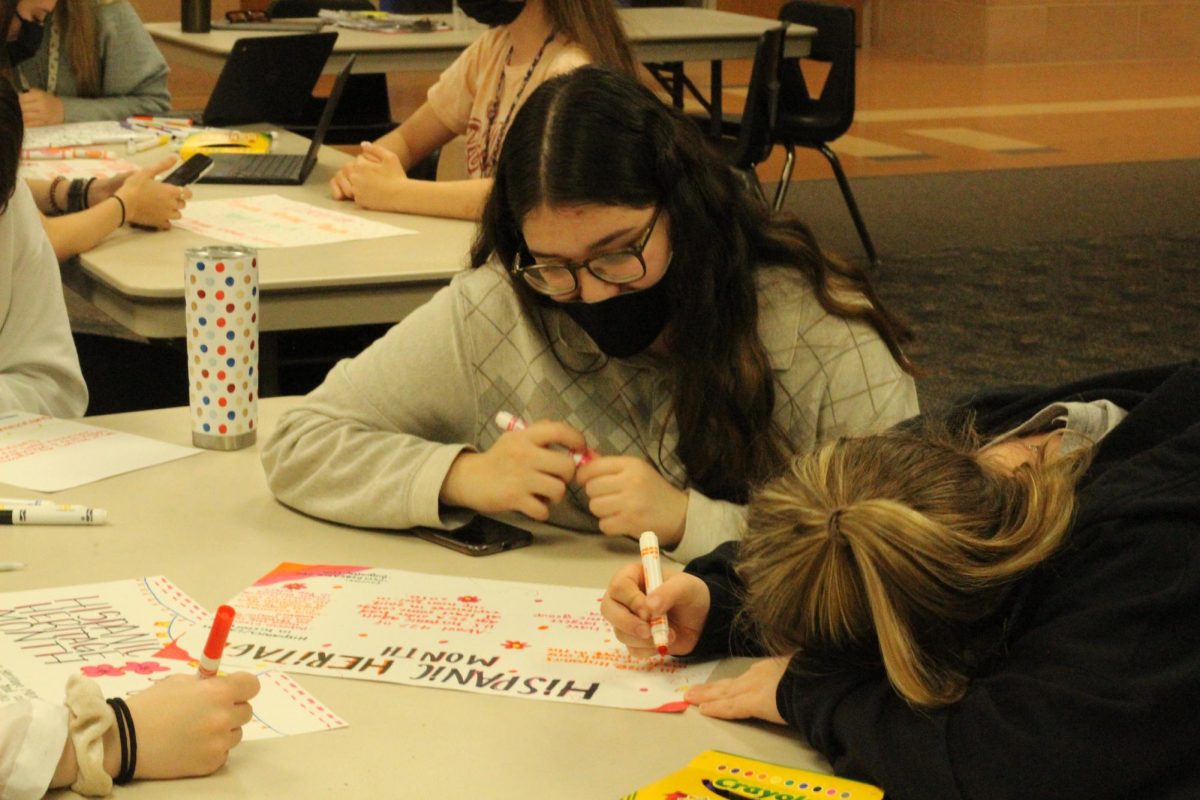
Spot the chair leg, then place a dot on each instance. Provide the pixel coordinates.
(853, 206)
(785, 177)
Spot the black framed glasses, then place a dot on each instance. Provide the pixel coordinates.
(556, 278)
(248, 15)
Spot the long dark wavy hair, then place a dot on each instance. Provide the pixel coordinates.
(12, 132)
(596, 137)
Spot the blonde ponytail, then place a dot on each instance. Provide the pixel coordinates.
(892, 549)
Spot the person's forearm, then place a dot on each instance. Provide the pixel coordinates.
(41, 194)
(453, 199)
(394, 140)
(68, 765)
(72, 234)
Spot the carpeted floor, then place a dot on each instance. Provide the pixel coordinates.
(1047, 312)
(1029, 276)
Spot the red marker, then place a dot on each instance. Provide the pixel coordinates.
(511, 422)
(216, 642)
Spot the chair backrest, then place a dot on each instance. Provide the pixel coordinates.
(756, 134)
(827, 116)
(279, 9)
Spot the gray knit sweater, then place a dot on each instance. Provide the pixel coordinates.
(134, 77)
(372, 445)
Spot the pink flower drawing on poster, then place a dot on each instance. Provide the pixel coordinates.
(512, 644)
(101, 670)
(145, 667)
(468, 598)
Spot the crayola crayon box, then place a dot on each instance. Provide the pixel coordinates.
(714, 774)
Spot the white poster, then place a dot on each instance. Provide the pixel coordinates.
(122, 635)
(523, 640)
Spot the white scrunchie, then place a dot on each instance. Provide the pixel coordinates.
(91, 718)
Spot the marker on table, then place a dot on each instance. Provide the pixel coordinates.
(61, 153)
(11, 566)
(211, 661)
(43, 515)
(136, 146)
(652, 571)
(507, 421)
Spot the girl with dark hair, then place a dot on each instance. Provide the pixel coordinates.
(629, 294)
(1003, 608)
(81, 60)
(477, 98)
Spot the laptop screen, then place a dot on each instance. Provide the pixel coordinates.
(335, 96)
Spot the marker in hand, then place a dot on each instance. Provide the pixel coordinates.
(652, 571)
(211, 660)
(511, 422)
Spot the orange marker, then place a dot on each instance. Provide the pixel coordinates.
(652, 570)
(215, 646)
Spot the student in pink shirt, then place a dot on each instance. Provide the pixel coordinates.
(477, 97)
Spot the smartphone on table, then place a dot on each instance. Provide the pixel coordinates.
(189, 171)
(482, 536)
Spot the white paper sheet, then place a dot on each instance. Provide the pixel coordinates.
(48, 169)
(47, 454)
(83, 134)
(120, 634)
(272, 221)
(524, 640)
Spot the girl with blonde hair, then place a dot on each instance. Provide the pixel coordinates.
(477, 97)
(81, 60)
(950, 614)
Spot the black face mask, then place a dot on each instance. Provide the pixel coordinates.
(492, 12)
(28, 40)
(624, 325)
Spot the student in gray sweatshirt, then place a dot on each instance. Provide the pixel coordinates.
(81, 60)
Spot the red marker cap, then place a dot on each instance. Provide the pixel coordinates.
(219, 633)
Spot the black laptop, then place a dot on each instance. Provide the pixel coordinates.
(279, 170)
(267, 79)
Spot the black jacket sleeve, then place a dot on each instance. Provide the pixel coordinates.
(726, 631)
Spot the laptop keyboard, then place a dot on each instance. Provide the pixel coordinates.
(266, 166)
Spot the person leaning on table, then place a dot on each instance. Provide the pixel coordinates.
(1013, 613)
(81, 60)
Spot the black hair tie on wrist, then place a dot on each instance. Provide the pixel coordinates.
(87, 188)
(128, 737)
(75, 195)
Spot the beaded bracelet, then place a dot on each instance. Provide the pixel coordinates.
(128, 737)
(54, 184)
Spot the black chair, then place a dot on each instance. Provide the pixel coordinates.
(807, 121)
(747, 141)
(365, 112)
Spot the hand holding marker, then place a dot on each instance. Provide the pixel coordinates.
(652, 571)
(511, 422)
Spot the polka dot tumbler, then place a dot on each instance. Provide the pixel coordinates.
(221, 298)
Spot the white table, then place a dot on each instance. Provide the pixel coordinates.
(657, 34)
(668, 36)
(136, 277)
(209, 524)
